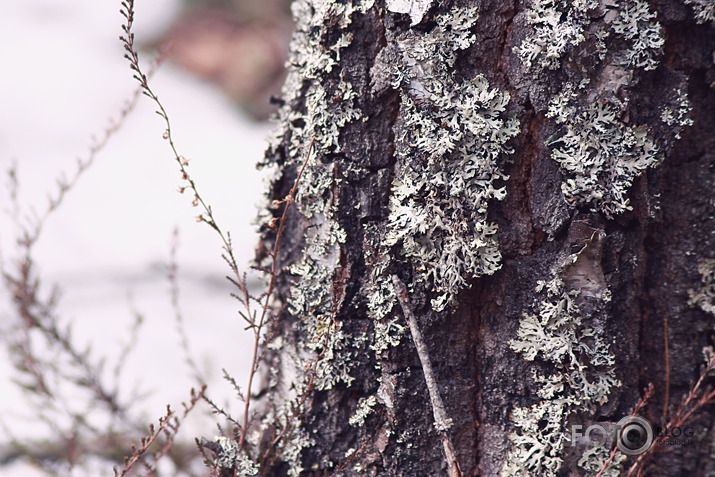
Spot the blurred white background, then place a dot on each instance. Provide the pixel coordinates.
(63, 77)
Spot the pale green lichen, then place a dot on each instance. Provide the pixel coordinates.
(634, 22)
(600, 156)
(704, 10)
(323, 117)
(380, 293)
(595, 457)
(558, 26)
(584, 376)
(231, 457)
(438, 205)
(364, 408)
(556, 335)
(536, 448)
(451, 135)
(291, 452)
(316, 109)
(704, 296)
(308, 64)
(679, 113)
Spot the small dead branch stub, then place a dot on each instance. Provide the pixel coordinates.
(441, 420)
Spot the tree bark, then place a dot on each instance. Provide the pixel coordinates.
(540, 178)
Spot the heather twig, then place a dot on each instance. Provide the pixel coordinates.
(51, 366)
(168, 427)
(173, 277)
(693, 402)
(256, 318)
(647, 394)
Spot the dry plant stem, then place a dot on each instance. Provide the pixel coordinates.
(290, 198)
(693, 402)
(207, 215)
(255, 321)
(342, 466)
(647, 394)
(173, 276)
(666, 399)
(168, 425)
(301, 399)
(37, 312)
(441, 420)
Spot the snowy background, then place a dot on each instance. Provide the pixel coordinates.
(108, 246)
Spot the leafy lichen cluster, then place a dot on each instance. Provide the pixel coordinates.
(704, 297)
(323, 116)
(315, 110)
(229, 456)
(380, 293)
(678, 113)
(599, 153)
(557, 27)
(635, 23)
(450, 136)
(584, 376)
(704, 10)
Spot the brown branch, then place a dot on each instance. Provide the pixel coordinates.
(666, 400)
(169, 426)
(693, 402)
(647, 394)
(290, 198)
(441, 420)
(255, 321)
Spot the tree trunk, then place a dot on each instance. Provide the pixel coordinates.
(539, 175)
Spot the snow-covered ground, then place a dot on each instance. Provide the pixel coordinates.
(63, 76)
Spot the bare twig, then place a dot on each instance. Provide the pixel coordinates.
(168, 426)
(255, 319)
(441, 421)
(290, 198)
(693, 402)
(173, 276)
(38, 325)
(647, 394)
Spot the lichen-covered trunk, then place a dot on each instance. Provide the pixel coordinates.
(540, 176)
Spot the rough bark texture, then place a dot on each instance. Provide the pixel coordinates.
(645, 258)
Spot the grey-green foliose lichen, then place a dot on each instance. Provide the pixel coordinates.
(323, 116)
(704, 10)
(583, 378)
(704, 297)
(600, 153)
(325, 108)
(450, 136)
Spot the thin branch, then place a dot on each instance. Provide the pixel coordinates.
(271, 285)
(254, 320)
(441, 421)
(695, 400)
(173, 277)
(169, 426)
(666, 399)
(647, 394)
